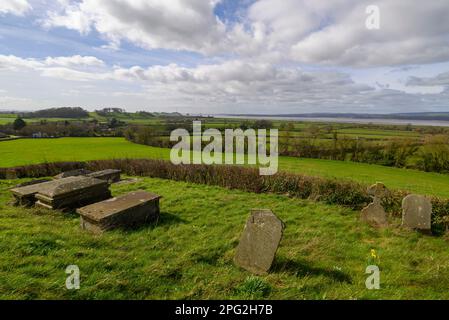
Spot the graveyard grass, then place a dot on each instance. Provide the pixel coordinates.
(189, 253)
(34, 151)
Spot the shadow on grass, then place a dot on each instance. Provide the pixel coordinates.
(302, 268)
(165, 219)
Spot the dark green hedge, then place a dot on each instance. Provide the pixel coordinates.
(331, 191)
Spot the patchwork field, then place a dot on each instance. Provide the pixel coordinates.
(189, 253)
(33, 151)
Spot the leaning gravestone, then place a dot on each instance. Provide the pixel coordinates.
(416, 212)
(259, 241)
(374, 213)
(133, 209)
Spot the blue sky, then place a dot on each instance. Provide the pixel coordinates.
(248, 56)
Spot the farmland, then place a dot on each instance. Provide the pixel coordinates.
(188, 254)
(33, 151)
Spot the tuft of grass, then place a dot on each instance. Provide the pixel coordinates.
(253, 288)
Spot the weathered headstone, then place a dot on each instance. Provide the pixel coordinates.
(378, 190)
(109, 175)
(130, 210)
(374, 213)
(72, 192)
(73, 173)
(259, 241)
(416, 212)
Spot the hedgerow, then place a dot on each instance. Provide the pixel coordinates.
(332, 191)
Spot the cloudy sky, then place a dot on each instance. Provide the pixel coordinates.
(228, 56)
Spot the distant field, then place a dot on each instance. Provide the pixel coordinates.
(31, 151)
(189, 253)
(300, 129)
(10, 119)
(5, 120)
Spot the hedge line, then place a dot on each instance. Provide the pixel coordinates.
(331, 191)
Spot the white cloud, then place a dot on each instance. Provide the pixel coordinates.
(310, 31)
(334, 32)
(177, 24)
(76, 60)
(71, 74)
(76, 68)
(246, 85)
(13, 63)
(15, 7)
(13, 102)
(250, 61)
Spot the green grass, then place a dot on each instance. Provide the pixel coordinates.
(429, 183)
(80, 149)
(10, 119)
(189, 253)
(5, 120)
(32, 151)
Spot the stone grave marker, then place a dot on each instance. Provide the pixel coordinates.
(374, 213)
(259, 241)
(416, 212)
(72, 192)
(110, 175)
(73, 173)
(26, 195)
(130, 210)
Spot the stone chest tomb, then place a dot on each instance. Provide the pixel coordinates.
(72, 192)
(127, 211)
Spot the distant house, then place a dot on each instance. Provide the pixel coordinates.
(38, 135)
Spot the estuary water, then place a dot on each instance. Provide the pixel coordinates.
(433, 123)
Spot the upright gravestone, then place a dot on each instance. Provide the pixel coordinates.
(374, 213)
(259, 241)
(416, 212)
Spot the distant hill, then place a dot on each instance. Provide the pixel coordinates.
(74, 113)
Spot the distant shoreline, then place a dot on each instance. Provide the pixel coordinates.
(384, 121)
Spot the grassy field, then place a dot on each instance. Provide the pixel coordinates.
(299, 129)
(189, 253)
(30, 151)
